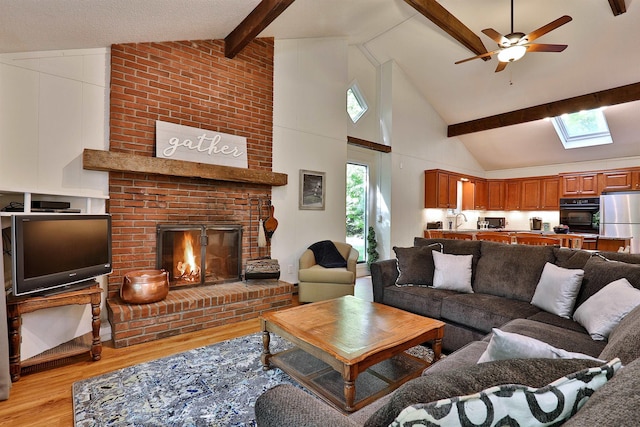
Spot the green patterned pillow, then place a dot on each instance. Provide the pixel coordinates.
(512, 404)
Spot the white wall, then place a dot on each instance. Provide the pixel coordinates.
(309, 133)
(52, 106)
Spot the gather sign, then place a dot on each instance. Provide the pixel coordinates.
(181, 142)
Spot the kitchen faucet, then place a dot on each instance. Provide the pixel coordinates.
(456, 219)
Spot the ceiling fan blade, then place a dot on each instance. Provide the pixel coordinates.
(535, 47)
(484, 55)
(546, 28)
(501, 66)
(495, 36)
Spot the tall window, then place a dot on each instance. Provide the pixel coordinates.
(357, 207)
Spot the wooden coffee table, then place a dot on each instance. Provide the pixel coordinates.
(350, 352)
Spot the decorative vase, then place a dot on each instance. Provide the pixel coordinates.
(144, 286)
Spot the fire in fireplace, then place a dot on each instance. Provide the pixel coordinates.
(199, 254)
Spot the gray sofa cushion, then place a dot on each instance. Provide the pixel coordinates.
(598, 273)
(444, 384)
(555, 320)
(624, 341)
(570, 258)
(420, 300)
(483, 312)
(455, 247)
(555, 336)
(615, 404)
(415, 265)
(511, 271)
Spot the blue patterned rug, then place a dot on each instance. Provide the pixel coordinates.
(215, 385)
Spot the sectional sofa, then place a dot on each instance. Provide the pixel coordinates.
(514, 314)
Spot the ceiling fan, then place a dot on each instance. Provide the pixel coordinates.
(513, 46)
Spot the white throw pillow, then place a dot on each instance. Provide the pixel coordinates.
(602, 312)
(513, 404)
(557, 289)
(507, 345)
(452, 272)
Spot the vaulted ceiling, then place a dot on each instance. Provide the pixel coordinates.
(423, 37)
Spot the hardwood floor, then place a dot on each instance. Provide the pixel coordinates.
(44, 398)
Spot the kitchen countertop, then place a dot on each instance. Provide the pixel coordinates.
(504, 230)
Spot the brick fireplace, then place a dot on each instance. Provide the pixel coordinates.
(188, 83)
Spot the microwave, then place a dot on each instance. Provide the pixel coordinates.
(493, 222)
(581, 214)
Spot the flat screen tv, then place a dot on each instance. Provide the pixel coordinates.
(58, 252)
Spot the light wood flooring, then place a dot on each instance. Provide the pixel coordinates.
(44, 398)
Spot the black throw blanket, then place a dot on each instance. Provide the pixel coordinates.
(327, 254)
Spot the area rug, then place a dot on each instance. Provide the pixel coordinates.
(215, 385)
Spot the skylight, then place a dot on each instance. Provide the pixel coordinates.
(582, 129)
(356, 104)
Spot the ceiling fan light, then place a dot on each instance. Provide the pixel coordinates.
(511, 54)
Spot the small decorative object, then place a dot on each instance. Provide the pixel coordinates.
(144, 286)
(312, 190)
(372, 247)
(262, 268)
(561, 229)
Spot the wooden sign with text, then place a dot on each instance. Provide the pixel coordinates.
(180, 142)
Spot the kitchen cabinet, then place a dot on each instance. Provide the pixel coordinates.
(580, 184)
(474, 195)
(440, 189)
(531, 194)
(512, 194)
(616, 180)
(495, 195)
(635, 179)
(550, 193)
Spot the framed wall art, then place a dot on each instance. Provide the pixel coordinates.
(312, 190)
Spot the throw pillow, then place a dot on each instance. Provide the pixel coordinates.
(415, 266)
(507, 345)
(602, 312)
(452, 272)
(432, 386)
(513, 404)
(327, 255)
(557, 289)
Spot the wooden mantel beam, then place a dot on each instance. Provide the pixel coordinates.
(259, 18)
(440, 16)
(110, 161)
(618, 7)
(590, 101)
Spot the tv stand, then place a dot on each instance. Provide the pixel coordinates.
(17, 306)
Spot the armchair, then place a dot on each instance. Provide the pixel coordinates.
(317, 283)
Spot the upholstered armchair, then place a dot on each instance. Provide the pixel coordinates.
(336, 279)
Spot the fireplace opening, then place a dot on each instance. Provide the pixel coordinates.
(199, 254)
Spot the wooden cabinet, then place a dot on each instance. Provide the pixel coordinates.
(495, 195)
(512, 194)
(440, 189)
(583, 184)
(474, 195)
(481, 195)
(531, 194)
(550, 193)
(615, 180)
(635, 179)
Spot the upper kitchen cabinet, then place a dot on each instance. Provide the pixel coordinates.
(550, 193)
(635, 179)
(474, 195)
(580, 184)
(617, 180)
(440, 189)
(531, 194)
(512, 195)
(495, 195)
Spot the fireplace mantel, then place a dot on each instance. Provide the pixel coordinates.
(100, 160)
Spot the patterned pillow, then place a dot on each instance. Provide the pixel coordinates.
(512, 404)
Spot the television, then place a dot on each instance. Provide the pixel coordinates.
(58, 252)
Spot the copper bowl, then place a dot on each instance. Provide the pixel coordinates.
(144, 286)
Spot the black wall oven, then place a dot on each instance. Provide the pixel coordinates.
(582, 215)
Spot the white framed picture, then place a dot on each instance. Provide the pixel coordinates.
(312, 190)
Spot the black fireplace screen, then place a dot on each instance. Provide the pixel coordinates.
(195, 254)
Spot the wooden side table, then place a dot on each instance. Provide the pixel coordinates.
(17, 306)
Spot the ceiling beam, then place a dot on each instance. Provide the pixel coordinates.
(437, 14)
(590, 101)
(259, 18)
(617, 7)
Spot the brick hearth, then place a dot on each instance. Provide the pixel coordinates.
(192, 309)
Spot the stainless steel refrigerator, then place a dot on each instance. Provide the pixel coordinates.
(620, 217)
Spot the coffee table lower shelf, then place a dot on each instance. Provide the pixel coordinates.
(327, 383)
